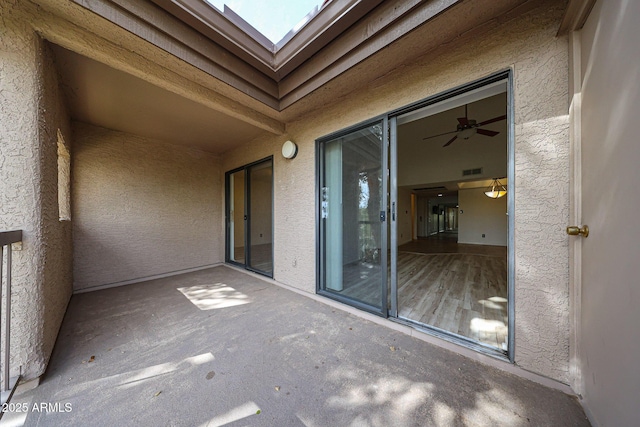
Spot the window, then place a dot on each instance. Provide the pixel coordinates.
(64, 180)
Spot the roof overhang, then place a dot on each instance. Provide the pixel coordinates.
(341, 35)
(191, 49)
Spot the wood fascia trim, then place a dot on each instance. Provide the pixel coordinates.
(377, 30)
(232, 34)
(156, 26)
(575, 16)
(55, 29)
(330, 22)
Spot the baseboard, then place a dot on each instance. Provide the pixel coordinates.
(144, 279)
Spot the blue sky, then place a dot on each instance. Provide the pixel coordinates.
(274, 19)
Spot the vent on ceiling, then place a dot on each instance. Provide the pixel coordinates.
(441, 188)
(476, 171)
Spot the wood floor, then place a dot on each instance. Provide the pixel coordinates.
(461, 293)
(457, 288)
(261, 257)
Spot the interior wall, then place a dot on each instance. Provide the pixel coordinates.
(422, 216)
(238, 212)
(31, 112)
(261, 201)
(142, 208)
(529, 46)
(483, 221)
(609, 342)
(403, 212)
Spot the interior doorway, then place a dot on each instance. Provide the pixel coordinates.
(249, 217)
(453, 277)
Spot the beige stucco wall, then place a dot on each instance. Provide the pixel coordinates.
(142, 208)
(539, 60)
(609, 337)
(31, 112)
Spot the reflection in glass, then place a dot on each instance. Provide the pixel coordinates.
(236, 217)
(260, 217)
(351, 199)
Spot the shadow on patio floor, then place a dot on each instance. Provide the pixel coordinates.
(220, 347)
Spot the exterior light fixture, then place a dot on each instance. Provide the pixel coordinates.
(289, 150)
(495, 190)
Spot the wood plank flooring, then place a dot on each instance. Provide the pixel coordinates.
(457, 288)
(461, 293)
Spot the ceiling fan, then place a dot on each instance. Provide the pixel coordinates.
(468, 127)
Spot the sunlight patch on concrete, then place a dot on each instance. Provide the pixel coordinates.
(210, 297)
(396, 397)
(136, 377)
(495, 407)
(243, 411)
(399, 391)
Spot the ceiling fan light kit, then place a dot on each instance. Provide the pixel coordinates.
(496, 190)
(467, 128)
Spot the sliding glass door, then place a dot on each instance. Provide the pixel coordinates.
(452, 277)
(249, 217)
(410, 224)
(353, 216)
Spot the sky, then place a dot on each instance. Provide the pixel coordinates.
(274, 19)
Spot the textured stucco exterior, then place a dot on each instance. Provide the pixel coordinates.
(142, 208)
(31, 113)
(539, 60)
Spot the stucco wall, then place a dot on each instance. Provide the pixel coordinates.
(58, 249)
(539, 60)
(142, 208)
(609, 339)
(31, 112)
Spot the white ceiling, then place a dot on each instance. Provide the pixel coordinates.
(424, 163)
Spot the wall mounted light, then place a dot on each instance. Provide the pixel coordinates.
(495, 190)
(289, 150)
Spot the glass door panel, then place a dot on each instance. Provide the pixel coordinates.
(353, 218)
(249, 217)
(260, 217)
(236, 192)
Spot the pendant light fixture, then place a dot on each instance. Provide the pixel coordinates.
(496, 189)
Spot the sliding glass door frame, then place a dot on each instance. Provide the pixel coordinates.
(390, 226)
(506, 76)
(383, 217)
(247, 214)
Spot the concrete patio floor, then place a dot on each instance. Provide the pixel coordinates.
(221, 347)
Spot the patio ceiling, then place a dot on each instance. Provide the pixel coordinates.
(112, 99)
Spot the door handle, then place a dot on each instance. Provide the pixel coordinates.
(578, 231)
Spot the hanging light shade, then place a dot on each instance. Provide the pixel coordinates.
(495, 190)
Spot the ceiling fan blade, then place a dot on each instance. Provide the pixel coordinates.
(440, 134)
(495, 119)
(463, 121)
(487, 132)
(450, 141)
